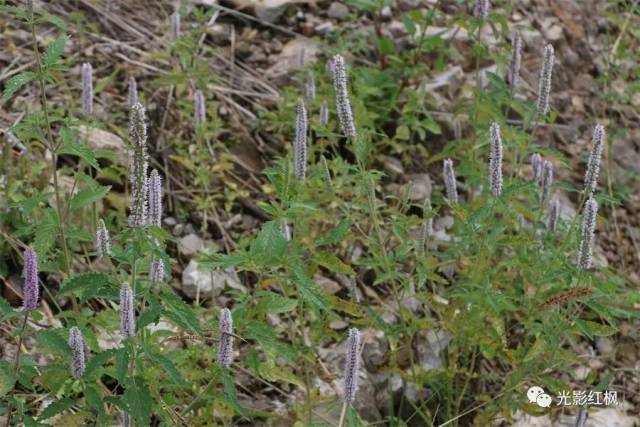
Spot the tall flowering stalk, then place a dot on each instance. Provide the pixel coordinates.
(324, 113)
(536, 166)
(31, 289)
(585, 250)
(554, 215)
(103, 240)
(300, 142)
(593, 166)
(199, 108)
(495, 160)
(450, 184)
(127, 313)
(157, 270)
(225, 345)
(546, 181)
(343, 104)
(175, 26)
(76, 344)
(351, 367)
(154, 192)
(138, 166)
(481, 9)
(310, 87)
(132, 95)
(87, 89)
(516, 59)
(544, 85)
(427, 228)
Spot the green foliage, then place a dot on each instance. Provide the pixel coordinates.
(354, 256)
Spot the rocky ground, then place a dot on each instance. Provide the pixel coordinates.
(260, 45)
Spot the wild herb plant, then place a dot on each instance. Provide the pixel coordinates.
(510, 282)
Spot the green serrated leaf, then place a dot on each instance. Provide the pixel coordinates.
(15, 83)
(270, 245)
(53, 52)
(271, 302)
(138, 401)
(180, 313)
(56, 408)
(7, 377)
(332, 263)
(88, 196)
(87, 285)
(309, 290)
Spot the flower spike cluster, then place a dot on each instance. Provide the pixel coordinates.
(450, 184)
(343, 104)
(587, 236)
(516, 59)
(103, 240)
(544, 85)
(546, 180)
(132, 96)
(154, 191)
(300, 142)
(87, 89)
(127, 313)
(495, 160)
(225, 346)
(481, 9)
(199, 108)
(76, 344)
(593, 166)
(138, 167)
(31, 288)
(351, 366)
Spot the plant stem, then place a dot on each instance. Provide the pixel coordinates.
(16, 363)
(51, 146)
(343, 413)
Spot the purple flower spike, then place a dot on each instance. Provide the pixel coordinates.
(138, 166)
(351, 366)
(76, 343)
(154, 192)
(87, 89)
(225, 346)
(127, 313)
(31, 288)
(300, 142)
(544, 85)
(450, 181)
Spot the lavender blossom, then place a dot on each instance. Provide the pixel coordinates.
(138, 166)
(300, 143)
(343, 104)
(103, 240)
(481, 9)
(351, 366)
(546, 181)
(156, 270)
(199, 108)
(225, 345)
(310, 87)
(76, 343)
(585, 250)
(450, 184)
(554, 215)
(593, 166)
(495, 160)
(31, 288)
(427, 228)
(516, 59)
(324, 113)
(87, 89)
(536, 166)
(544, 85)
(127, 313)
(175, 26)
(154, 190)
(132, 97)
